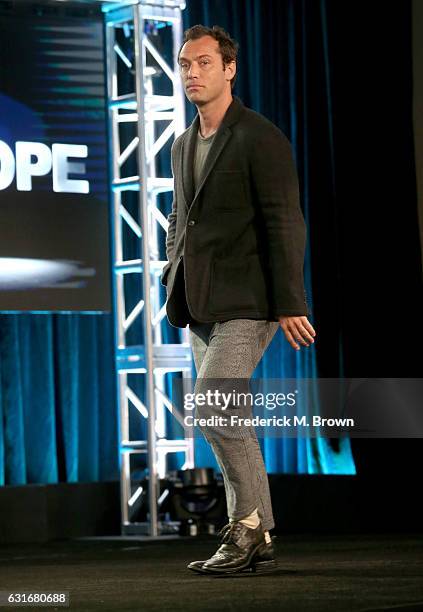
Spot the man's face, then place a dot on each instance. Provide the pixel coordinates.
(203, 74)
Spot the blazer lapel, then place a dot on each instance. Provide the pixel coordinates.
(188, 150)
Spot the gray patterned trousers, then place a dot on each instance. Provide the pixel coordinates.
(231, 350)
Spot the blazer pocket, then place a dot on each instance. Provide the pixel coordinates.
(229, 191)
(237, 285)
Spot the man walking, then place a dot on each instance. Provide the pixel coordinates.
(235, 250)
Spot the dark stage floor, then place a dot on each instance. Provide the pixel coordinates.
(324, 573)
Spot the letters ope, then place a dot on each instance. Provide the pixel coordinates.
(36, 159)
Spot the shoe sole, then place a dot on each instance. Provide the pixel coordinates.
(261, 567)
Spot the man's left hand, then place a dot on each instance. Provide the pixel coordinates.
(297, 329)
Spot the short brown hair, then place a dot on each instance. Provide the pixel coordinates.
(227, 46)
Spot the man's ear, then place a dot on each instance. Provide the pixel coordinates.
(230, 70)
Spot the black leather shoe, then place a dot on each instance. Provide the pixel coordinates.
(263, 561)
(240, 544)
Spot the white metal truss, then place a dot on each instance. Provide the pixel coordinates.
(136, 116)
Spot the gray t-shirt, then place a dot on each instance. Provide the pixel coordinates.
(201, 150)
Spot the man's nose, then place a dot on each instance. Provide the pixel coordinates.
(193, 71)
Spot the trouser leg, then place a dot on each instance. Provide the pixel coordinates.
(231, 350)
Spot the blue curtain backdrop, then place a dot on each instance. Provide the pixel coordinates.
(57, 397)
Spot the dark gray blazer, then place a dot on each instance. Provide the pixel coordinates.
(242, 234)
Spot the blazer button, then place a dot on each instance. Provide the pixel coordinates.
(191, 222)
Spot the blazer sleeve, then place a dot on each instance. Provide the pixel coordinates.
(276, 190)
(170, 238)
